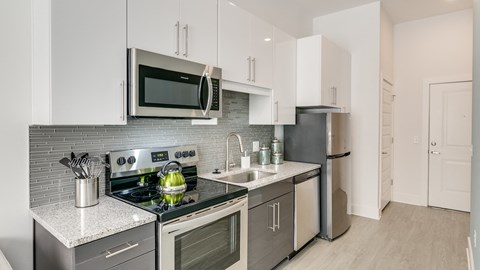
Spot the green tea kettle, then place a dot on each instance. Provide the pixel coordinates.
(172, 183)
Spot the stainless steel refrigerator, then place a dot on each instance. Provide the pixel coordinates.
(324, 138)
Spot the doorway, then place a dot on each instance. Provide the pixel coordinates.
(450, 145)
(387, 144)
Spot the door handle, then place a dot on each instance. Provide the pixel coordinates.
(384, 153)
(253, 69)
(177, 48)
(249, 59)
(273, 217)
(186, 40)
(435, 152)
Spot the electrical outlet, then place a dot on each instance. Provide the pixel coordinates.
(256, 146)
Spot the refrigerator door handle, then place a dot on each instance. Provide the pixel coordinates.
(339, 155)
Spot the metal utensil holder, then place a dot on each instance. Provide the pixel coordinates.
(86, 192)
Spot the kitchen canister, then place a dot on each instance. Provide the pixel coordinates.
(277, 158)
(276, 146)
(86, 192)
(264, 155)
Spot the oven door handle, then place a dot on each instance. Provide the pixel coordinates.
(195, 222)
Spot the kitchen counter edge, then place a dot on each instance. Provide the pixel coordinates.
(282, 171)
(74, 226)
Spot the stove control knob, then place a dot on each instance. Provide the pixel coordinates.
(131, 160)
(185, 154)
(178, 154)
(121, 161)
(192, 153)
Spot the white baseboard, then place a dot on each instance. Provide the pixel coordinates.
(470, 261)
(366, 211)
(408, 199)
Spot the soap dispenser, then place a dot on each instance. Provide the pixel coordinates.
(245, 160)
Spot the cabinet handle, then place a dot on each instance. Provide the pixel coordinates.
(273, 217)
(276, 111)
(186, 40)
(249, 59)
(122, 86)
(278, 215)
(253, 69)
(111, 254)
(177, 47)
(335, 89)
(435, 152)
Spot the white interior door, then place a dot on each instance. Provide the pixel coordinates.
(450, 149)
(387, 140)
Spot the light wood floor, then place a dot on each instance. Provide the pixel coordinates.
(407, 237)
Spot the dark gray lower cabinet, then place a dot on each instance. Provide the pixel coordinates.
(131, 249)
(270, 225)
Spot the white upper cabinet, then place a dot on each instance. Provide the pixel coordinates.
(245, 47)
(323, 74)
(279, 108)
(180, 28)
(79, 62)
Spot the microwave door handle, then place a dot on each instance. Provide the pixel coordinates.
(210, 94)
(200, 95)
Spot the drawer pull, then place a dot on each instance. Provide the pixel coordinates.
(111, 254)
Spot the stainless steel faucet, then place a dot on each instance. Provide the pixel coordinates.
(227, 164)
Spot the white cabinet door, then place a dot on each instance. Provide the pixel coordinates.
(184, 29)
(323, 74)
(261, 51)
(233, 39)
(245, 47)
(153, 25)
(284, 70)
(198, 31)
(80, 62)
(279, 107)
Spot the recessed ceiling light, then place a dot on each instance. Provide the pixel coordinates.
(232, 4)
(267, 39)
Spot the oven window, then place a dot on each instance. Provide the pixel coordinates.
(213, 246)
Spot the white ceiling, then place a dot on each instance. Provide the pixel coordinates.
(399, 10)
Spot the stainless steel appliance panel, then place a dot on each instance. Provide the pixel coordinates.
(338, 186)
(137, 58)
(307, 204)
(338, 133)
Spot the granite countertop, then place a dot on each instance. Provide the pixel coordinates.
(74, 226)
(283, 171)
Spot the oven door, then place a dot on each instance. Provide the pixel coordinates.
(215, 238)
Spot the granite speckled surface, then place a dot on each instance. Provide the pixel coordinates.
(76, 226)
(283, 171)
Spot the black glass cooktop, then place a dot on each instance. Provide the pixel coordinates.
(203, 193)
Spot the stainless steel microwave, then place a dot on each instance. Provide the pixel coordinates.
(164, 86)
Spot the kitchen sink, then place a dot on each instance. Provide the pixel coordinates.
(247, 176)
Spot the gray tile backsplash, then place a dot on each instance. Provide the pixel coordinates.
(51, 182)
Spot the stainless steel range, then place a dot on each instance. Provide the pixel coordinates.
(207, 229)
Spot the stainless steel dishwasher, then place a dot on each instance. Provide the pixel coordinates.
(307, 208)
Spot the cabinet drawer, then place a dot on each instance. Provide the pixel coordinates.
(269, 192)
(116, 249)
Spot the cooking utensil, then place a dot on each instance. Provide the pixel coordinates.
(65, 162)
(172, 183)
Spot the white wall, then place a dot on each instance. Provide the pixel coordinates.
(15, 110)
(285, 15)
(386, 45)
(358, 31)
(439, 46)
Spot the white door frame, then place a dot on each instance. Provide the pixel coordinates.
(426, 126)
